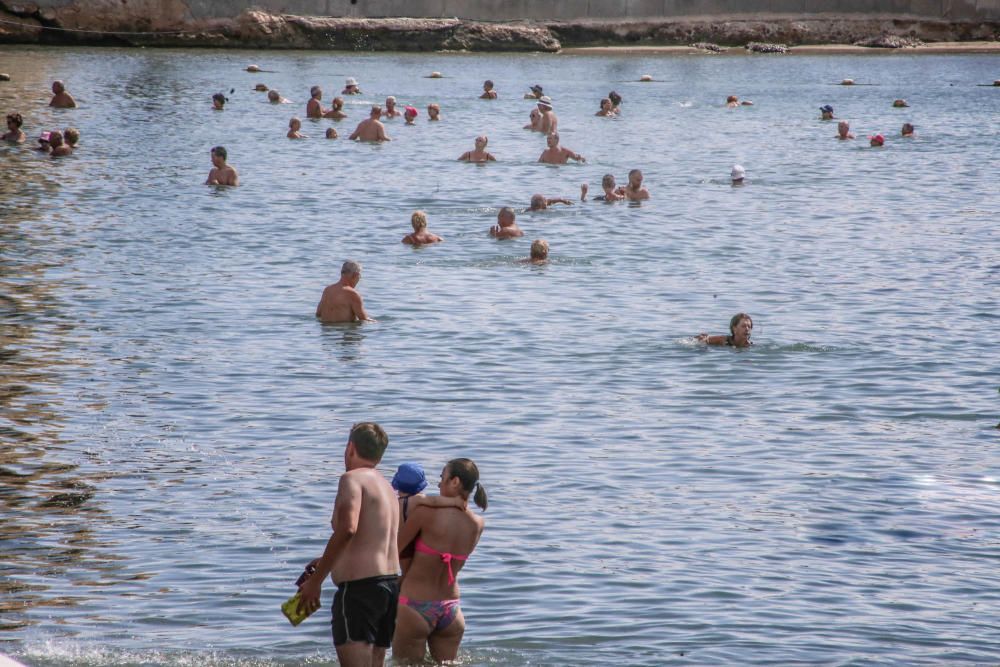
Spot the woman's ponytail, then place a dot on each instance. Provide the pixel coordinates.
(480, 497)
(468, 475)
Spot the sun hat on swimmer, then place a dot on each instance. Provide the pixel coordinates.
(409, 478)
(351, 81)
(826, 108)
(545, 101)
(738, 172)
(536, 88)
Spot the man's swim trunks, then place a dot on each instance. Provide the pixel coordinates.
(364, 610)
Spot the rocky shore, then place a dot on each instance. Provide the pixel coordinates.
(23, 23)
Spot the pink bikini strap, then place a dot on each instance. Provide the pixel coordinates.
(446, 557)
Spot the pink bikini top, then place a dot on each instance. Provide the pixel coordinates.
(446, 558)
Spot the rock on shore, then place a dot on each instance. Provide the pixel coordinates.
(113, 22)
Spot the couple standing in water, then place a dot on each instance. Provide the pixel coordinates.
(371, 611)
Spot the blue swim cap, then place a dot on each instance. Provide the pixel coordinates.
(409, 478)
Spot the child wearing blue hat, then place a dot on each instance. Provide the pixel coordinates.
(409, 482)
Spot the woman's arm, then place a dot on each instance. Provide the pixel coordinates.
(436, 502)
(411, 529)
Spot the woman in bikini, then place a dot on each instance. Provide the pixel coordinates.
(740, 328)
(480, 154)
(429, 615)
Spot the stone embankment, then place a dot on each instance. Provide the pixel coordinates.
(118, 23)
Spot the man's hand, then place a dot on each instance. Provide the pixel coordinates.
(309, 594)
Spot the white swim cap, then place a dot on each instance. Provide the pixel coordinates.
(738, 172)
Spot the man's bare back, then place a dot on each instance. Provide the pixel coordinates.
(371, 129)
(224, 175)
(340, 301)
(372, 552)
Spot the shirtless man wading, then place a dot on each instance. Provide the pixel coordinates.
(371, 128)
(361, 555)
(340, 301)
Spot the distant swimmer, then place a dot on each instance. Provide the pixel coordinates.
(539, 252)
(434, 111)
(732, 102)
(826, 112)
(43, 143)
(219, 101)
(899, 104)
(294, 125)
(540, 202)
(59, 147)
(738, 174)
(847, 82)
(488, 92)
(341, 302)
(331, 133)
(556, 154)
(606, 108)
(410, 115)
(314, 107)
(908, 130)
(844, 130)
(506, 227)
(549, 122)
(616, 101)
(535, 118)
(14, 134)
(336, 112)
(535, 94)
(876, 141)
(72, 137)
(420, 235)
(635, 190)
(260, 88)
(740, 328)
(222, 173)
(390, 108)
(478, 154)
(60, 98)
(351, 87)
(371, 128)
(611, 191)
(274, 97)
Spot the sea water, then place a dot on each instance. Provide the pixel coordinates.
(173, 417)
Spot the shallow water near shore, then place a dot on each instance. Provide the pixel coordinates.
(173, 417)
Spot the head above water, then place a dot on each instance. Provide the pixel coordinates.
(731, 99)
(552, 139)
(538, 202)
(467, 474)
(539, 249)
(72, 136)
(907, 129)
(736, 320)
(376, 111)
(635, 177)
(488, 85)
(55, 138)
(58, 87)
(738, 173)
(220, 152)
(418, 220)
(273, 95)
(506, 216)
(369, 441)
(338, 103)
(390, 102)
(843, 127)
(351, 269)
(15, 120)
(295, 123)
(316, 92)
(219, 100)
(331, 133)
(608, 182)
(482, 140)
(260, 88)
(409, 479)
(410, 112)
(615, 98)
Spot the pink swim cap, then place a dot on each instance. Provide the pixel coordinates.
(411, 111)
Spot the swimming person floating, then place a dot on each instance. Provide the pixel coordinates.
(420, 235)
(221, 173)
(341, 301)
(430, 613)
(540, 202)
(539, 252)
(740, 328)
(478, 154)
(826, 112)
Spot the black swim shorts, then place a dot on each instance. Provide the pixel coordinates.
(364, 610)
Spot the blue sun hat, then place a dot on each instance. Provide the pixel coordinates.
(826, 108)
(409, 478)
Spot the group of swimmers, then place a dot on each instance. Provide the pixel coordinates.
(876, 140)
(57, 143)
(395, 555)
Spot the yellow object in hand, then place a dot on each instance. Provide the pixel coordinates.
(290, 608)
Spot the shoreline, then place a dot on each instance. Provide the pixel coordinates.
(800, 49)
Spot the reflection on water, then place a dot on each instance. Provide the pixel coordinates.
(344, 340)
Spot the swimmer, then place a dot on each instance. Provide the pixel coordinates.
(732, 102)
(634, 190)
(314, 107)
(60, 98)
(899, 104)
(907, 131)
(506, 227)
(478, 154)
(539, 252)
(260, 88)
(221, 173)
(844, 130)
(610, 188)
(556, 154)
(826, 112)
(390, 108)
(847, 82)
(420, 235)
(72, 137)
(549, 121)
(616, 101)
(351, 87)
(341, 302)
(43, 143)
(14, 134)
(371, 128)
(488, 92)
(429, 613)
(606, 108)
(738, 173)
(409, 483)
(274, 97)
(434, 111)
(331, 133)
(219, 101)
(410, 115)
(294, 125)
(876, 141)
(336, 112)
(59, 147)
(740, 328)
(536, 121)
(535, 94)
(541, 202)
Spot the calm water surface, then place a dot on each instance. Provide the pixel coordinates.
(173, 417)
